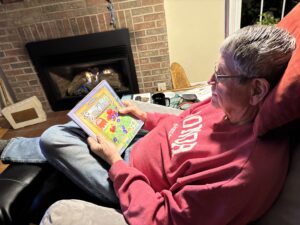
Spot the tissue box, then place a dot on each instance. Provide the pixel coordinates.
(25, 113)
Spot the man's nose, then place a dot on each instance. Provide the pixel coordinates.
(212, 80)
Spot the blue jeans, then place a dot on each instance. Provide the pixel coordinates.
(65, 147)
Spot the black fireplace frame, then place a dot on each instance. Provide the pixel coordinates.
(68, 50)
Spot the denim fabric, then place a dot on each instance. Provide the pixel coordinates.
(23, 150)
(65, 147)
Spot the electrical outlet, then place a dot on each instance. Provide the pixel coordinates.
(161, 86)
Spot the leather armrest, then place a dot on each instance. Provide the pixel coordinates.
(19, 184)
(26, 192)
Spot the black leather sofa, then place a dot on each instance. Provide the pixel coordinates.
(27, 190)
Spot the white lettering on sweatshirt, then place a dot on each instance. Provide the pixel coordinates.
(191, 126)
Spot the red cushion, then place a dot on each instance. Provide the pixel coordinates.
(282, 105)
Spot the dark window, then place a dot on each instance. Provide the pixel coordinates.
(272, 10)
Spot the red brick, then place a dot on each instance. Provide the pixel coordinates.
(17, 90)
(159, 8)
(142, 10)
(41, 31)
(33, 82)
(154, 16)
(25, 77)
(107, 20)
(21, 33)
(52, 8)
(160, 71)
(146, 40)
(148, 53)
(30, 89)
(47, 29)
(128, 18)
(141, 33)
(152, 2)
(14, 72)
(81, 26)
(4, 23)
(73, 5)
(28, 70)
(150, 66)
(74, 26)
(15, 52)
(19, 65)
(54, 29)
(5, 46)
(121, 19)
(10, 1)
(8, 60)
(148, 84)
(23, 58)
(144, 61)
(151, 90)
(101, 22)
(142, 47)
(151, 78)
(2, 32)
(156, 31)
(138, 19)
(19, 84)
(67, 27)
(161, 23)
(163, 37)
(157, 45)
(95, 24)
(35, 32)
(88, 25)
(18, 44)
(60, 27)
(139, 79)
(5, 67)
(130, 4)
(144, 26)
(165, 65)
(159, 59)
(92, 3)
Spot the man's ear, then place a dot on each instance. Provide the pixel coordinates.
(259, 89)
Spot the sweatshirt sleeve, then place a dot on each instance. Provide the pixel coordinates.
(186, 204)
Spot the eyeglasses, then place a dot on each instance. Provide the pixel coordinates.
(217, 77)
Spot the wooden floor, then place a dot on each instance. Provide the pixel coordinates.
(6, 132)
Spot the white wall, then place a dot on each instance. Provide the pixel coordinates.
(196, 29)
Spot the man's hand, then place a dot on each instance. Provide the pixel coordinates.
(104, 149)
(135, 111)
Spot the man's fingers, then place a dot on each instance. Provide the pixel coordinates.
(91, 141)
(126, 110)
(126, 103)
(100, 138)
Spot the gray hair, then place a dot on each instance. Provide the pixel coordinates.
(259, 50)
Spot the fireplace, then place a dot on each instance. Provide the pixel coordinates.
(69, 67)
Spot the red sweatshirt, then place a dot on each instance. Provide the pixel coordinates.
(197, 168)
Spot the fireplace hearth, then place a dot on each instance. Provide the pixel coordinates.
(69, 67)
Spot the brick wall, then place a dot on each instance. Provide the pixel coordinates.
(33, 20)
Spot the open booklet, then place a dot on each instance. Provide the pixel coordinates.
(98, 113)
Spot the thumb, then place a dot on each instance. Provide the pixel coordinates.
(126, 103)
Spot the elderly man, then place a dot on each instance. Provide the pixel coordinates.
(204, 166)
